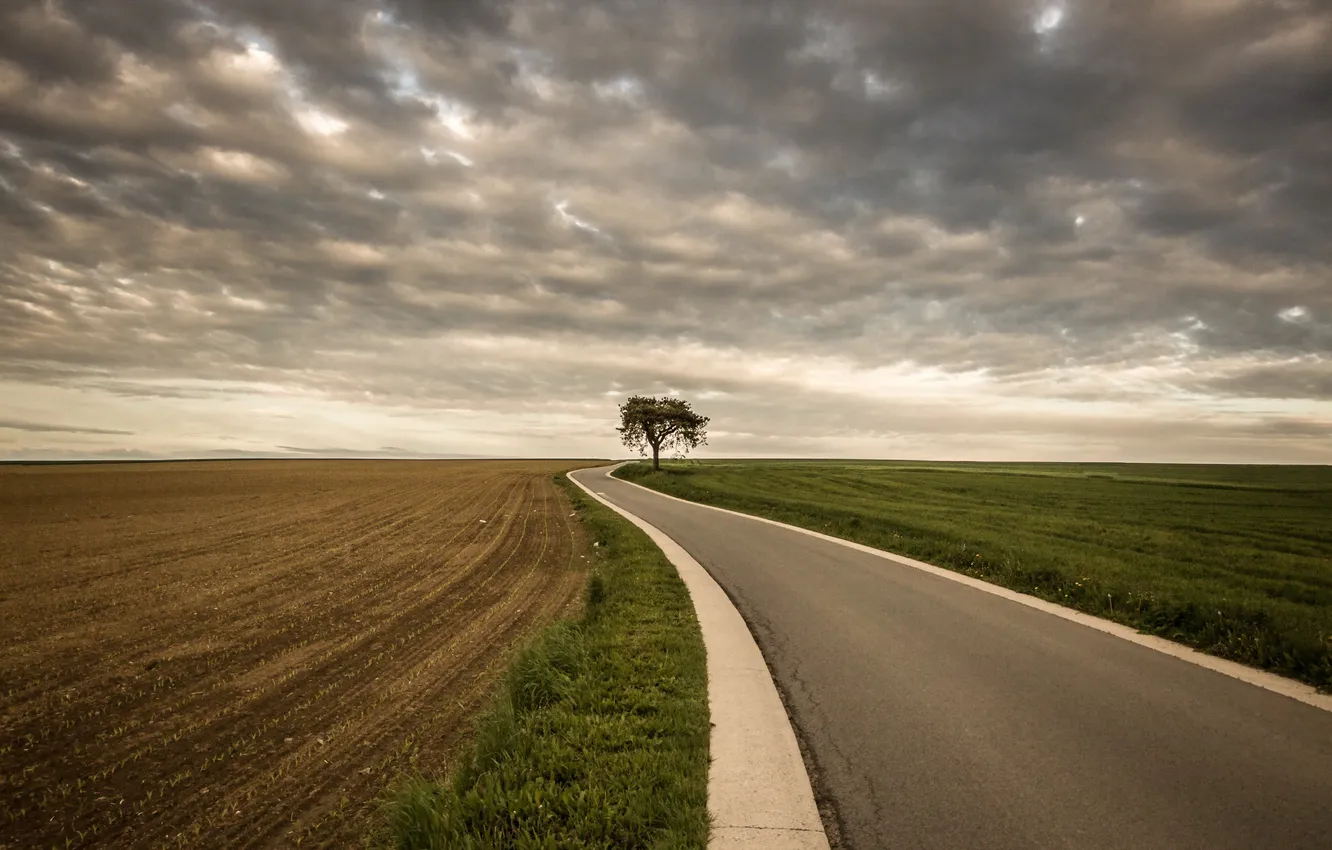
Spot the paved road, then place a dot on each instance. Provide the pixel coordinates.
(940, 716)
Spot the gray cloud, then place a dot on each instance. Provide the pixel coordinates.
(1080, 202)
(1307, 379)
(43, 428)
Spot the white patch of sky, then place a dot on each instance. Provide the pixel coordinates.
(123, 292)
(1049, 18)
(828, 41)
(1295, 315)
(405, 82)
(261, 58)
(834, 43)
(203, 10)
(787, 161)
(454, 115)
(45, 312)
(562, 207)
(251, 304)
(318, 122)
(925, 180)
(242, 165)
(401, 76)
(879, 88)
(534, 71)
(260, 52)
(186, 113)
(624, 88)
(1183, 343)
(431, 155)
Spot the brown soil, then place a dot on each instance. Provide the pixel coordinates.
(248, 654)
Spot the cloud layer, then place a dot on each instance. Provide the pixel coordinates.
(955, 229)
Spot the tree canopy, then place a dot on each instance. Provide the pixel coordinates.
(661, 423)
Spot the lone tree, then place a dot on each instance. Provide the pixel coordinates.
(662, 423)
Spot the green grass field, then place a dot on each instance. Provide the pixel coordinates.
(1233, 560)
(599, 738)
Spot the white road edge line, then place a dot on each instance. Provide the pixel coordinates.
(759, 794)
(1253, 676)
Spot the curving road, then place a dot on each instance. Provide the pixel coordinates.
(939, 716)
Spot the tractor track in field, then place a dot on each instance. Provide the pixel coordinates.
(247, 654)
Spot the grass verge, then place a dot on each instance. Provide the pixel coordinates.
(599, 738)
(1234, 561)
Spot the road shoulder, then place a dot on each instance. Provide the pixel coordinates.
(759, 793)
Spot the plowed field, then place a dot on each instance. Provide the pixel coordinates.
(245, 654)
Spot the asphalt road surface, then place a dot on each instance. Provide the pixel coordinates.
(940, 716)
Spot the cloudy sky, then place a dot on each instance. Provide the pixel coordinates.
(1010, 229)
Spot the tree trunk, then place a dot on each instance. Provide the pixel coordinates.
(656, 464)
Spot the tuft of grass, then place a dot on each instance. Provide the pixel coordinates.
(1233, 560)
(599, 738)
(596, 595)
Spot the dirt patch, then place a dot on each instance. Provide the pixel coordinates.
(245, 654)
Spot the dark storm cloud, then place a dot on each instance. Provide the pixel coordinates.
(331, 194)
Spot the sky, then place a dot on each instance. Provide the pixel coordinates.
(956, 229)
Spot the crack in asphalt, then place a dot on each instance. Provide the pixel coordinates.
(772, 644)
